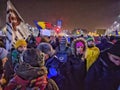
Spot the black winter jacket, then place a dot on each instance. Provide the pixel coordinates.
(103, 75)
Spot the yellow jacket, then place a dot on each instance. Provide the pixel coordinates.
(91, 56)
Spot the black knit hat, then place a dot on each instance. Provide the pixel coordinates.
(115, 49)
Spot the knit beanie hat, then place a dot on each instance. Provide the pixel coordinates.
(46, 48)
(115, 49)
(90, 39)
(63, 40)
(33, 56)
(3, 53)
(20, 42)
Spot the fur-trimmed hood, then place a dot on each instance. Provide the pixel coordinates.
(76, 41)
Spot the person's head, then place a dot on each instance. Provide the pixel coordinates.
(90, 42)
(3, 55)
(63, 41)
(79, 46)
(113, 39)
(114, 53)
(46, 48)
(21, 45)
(34, 57)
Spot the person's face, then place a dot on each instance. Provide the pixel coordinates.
(115, 59)
(46, 56)
(79, 50)
(22, 48)
(91, 43)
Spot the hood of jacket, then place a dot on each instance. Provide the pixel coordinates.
(73, 47)
(27, 72)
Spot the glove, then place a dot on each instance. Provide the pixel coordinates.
(52, 72)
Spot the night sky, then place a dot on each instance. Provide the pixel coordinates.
(86, 14)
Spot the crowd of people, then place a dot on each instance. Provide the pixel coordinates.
(53, 63)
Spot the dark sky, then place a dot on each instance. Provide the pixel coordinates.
(87, 14)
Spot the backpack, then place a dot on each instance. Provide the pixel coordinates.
(62, 56)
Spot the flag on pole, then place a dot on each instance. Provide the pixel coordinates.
(43, 25)
(16, 27)
(39, 27)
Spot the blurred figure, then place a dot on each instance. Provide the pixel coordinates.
(14, 58)
(3, 59)
(53, 41)
(113, 39)
(105, 44)
(20, 46)
(31, 74)
(31, 41)
(53, 64)
(77, 70)
(92, 52)
(104, 74)
(63, 51)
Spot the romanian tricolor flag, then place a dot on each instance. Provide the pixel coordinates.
(43, 25)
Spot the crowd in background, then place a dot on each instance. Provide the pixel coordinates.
(61, 63)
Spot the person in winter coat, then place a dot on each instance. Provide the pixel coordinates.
(113, 39)
(92, 52)
(104, 44)
(55, 67)
(77, 67)
(31, 41)
(53, 41)
(63, 47)
(14, 58)
(3, 59)
(31, 74)
(104, 74)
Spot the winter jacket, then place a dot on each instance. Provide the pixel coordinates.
(13, 60)
(104, 45)
(103, 75)
(56, 70)
(28, 77)
(76, 68)
(91, 56)
(77, 73)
